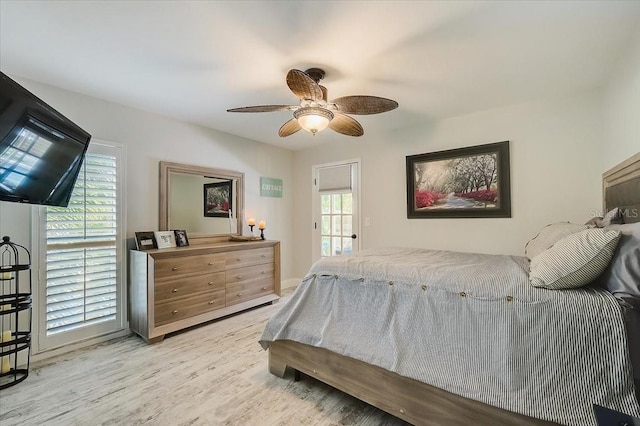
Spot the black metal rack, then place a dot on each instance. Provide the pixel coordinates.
(15, 313)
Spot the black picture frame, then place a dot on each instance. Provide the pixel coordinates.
(146, 240)
(218, 199)
(469, 182)
(181, 237)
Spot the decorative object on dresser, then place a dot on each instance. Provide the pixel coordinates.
(251, 237)
(262, 226)
(15, 313)
(460, 183)
(241, 238)
(165, 239)
(181, 238)
(146, 240)
(176, 288)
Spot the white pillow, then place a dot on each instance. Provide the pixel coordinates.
(575, 260)
(551, 234)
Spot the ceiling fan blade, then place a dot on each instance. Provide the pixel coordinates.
(362, 104)
(289, 128)
(303, 86)
(346, 125)
(264, 108)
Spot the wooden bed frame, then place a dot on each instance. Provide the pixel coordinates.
(405, 398)
(621, 188)
(408, 399)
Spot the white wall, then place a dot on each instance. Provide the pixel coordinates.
(556, 171)
(622, 109)
(150, 138)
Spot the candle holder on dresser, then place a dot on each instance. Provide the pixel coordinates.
(15, 313)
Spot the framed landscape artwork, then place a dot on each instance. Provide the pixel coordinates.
(460, 183)
(217, 199)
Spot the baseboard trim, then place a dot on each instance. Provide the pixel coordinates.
(292, 282)
(49, 353)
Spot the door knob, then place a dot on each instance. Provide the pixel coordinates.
(354, 236)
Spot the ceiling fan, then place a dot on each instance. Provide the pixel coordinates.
(315, 112)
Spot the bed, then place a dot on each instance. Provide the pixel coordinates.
(437, 337)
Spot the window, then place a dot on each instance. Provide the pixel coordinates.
(336, 228)
(83, 294)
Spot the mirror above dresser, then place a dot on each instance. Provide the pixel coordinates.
(190, 200)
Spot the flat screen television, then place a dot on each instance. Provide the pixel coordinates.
(41, 151)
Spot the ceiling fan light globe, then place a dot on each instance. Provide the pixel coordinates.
(313, 119)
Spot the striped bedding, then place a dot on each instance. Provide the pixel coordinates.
(470, 324)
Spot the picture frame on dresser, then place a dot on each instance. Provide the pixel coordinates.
(165, 239)
(145, 240)
(181, 237)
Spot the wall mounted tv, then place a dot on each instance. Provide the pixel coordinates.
(41, 150)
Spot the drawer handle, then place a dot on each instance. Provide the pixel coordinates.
(175, 290)
(210, 283)
(264, 255)
(175, 268)
(174, 311)
(238, 259)
(211, 302)
(239, 294)
(210, 263)
(264, 288)
(239, 277)
(264, 272)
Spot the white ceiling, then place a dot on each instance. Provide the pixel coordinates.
(193, 60)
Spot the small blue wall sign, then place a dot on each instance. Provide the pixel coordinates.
(270, 187)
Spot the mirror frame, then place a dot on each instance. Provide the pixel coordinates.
(166, 167)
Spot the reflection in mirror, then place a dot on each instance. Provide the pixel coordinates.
(189, 192)
(197, 200)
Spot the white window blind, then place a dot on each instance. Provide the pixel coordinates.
(81, 241)
(335, 179)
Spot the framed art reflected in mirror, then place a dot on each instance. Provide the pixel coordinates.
(218, 199)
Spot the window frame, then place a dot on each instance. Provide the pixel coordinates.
(64, 342)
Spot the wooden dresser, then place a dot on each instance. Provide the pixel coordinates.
(171, 289)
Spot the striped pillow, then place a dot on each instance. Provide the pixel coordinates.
(575, 260)
(551, 234)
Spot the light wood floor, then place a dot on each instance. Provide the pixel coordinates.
(211, 375)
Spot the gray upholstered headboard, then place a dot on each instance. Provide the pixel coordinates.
(621, 188)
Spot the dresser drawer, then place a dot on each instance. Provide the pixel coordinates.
(185, 307)
(238, 259)
(172, 267)
(249, 283)
(185, 286)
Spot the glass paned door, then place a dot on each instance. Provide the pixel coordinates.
(337, 224)
(335, 220)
